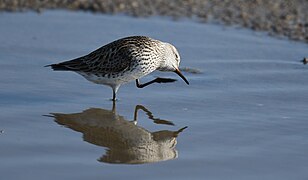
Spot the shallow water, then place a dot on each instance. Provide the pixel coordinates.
(246, 112)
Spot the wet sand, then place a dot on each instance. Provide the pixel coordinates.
(278, 17)
(246, 108)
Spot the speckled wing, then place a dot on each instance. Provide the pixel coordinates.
(115, 57)
(101, 61)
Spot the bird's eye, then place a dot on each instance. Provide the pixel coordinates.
(176, 56)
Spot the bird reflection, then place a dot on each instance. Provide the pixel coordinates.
(126, 142)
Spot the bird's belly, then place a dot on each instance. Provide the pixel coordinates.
(116, 79)
(107, 80)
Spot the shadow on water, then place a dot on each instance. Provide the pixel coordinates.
(126, 142)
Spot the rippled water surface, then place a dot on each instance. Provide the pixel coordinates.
(245, 109)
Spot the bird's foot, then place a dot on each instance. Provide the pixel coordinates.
(164, 80)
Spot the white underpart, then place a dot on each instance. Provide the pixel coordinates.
(138, 72)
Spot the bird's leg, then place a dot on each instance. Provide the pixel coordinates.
(114, 94)
(145, 84)
(157, 80)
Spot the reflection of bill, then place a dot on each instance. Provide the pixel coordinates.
(126, 142)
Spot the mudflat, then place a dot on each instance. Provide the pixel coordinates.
(245, 108)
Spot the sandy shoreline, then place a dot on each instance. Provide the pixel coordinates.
(280, 17)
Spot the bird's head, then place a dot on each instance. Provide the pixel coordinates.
(171, 61)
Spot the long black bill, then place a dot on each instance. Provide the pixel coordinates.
(178, 72)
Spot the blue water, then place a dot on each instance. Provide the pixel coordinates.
(246, 112)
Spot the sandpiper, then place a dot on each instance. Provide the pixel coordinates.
(124, 60)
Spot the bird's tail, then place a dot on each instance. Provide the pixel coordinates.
(58, 67)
